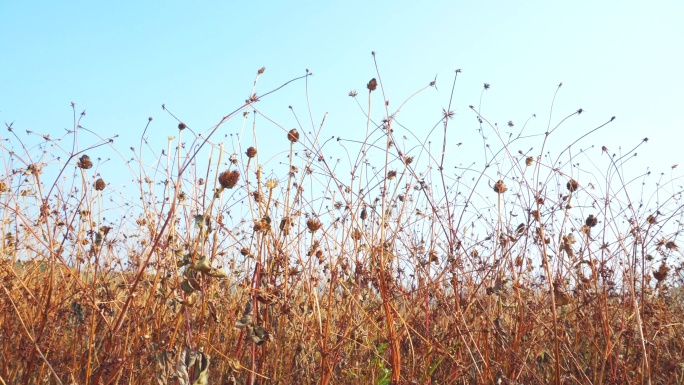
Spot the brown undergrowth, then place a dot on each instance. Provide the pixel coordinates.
(383, 266)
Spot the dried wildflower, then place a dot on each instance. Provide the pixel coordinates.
(99, 184)
(529, 160)
(261, 70)
(486, 86)
(535, 215)
(510, 123)
(651, 220)
(251, 152)
(670, 245)
(572, 185)
(372, 85)
(313, 225)
(353, 93)
(293, 135)
(3, 187)
(228, 179)
(661, 273)
(271, 184)
(356, 234)
(591, 221)
(84, 162)
(408, 160)
(391, 174)
(182, 126)
(257, 196)
(200, 181)
(244, 252)
(500, 187)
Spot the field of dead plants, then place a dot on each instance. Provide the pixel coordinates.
(337, 259)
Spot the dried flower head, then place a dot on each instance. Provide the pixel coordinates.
(293, 135)
(572, 185)
(529, 160)
(391, 174)
(670, 245)
(251, 152)
(257, 196)
(84, 162)
(356, 234)
(651, 220)
(510, 123)
(182, 126)
(661, 273)
(261, 70)
(353, 93)
(313, 225)
(99, 184)
(3, 187)
(228, 179)
(486, 86)
(372, 85)
(271, 184)
(364, 214)
(591, 221)
(500, 187)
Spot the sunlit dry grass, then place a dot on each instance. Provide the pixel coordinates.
(344, 260)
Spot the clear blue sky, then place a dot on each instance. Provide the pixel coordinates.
(121, 60)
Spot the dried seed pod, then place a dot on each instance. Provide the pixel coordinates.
(661, 273)
(228, 179)
(182, 126)
(500, 187)
(84, 162)
(572, 185)
(313, 225)
(591, 221)
(3, 187)
(293, 135)
(529, 160)
(364, 214)
(251, 152)
(372, 85)
(99, 184)
(391, 174)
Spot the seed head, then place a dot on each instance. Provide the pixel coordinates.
(529, 160)
(182, 126)
(99, 184)
(572, 185)
(313, 225)
(661, 273)
(3, 187)
(591, 221)
(293, 135)
(372, 85)
(228, 179)
(271, 184)
(84, 162)
(391, 174)
(251, 152)
(500, 187)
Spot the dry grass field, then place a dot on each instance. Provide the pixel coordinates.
(354, 262)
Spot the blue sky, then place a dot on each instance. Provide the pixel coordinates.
(121, 60)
